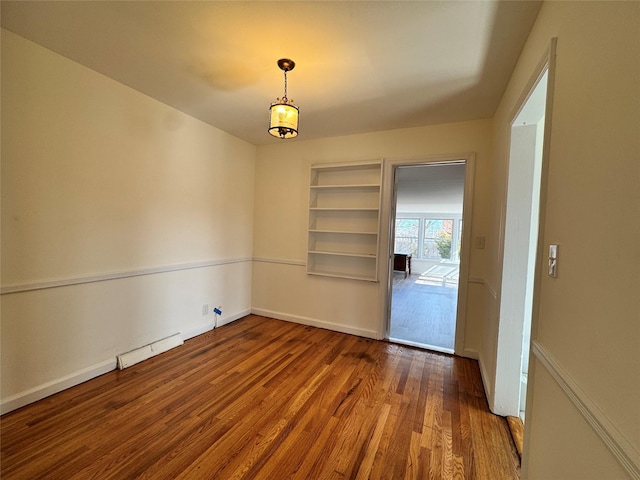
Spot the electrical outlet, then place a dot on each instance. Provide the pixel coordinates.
(205, 309)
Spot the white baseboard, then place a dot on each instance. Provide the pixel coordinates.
(485, 383)
(41, 391)
(222, 321)
(312, 322)
(47, 389)
(470, 353)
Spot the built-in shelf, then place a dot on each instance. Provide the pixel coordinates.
(361, 186)
(344, 220)
(342, 254)
(351, 209)
(342, 275)
(342, 231)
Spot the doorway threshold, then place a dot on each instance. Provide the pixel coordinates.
(424, 346)
(516, 427)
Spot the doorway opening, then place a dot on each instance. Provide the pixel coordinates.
(520, 250)
(427, 244)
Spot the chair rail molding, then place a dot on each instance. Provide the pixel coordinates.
(283, 261)
(103, 277)
(620, 447)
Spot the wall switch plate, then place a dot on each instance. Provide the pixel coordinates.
(205, 309)
(553, 261)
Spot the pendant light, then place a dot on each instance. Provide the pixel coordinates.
(283, 114)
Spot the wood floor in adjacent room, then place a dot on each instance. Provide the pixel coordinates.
(262, 398)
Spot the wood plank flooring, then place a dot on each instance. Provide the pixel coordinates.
(267, 399)
(516, 427)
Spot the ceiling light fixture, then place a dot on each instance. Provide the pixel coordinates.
(283, 114)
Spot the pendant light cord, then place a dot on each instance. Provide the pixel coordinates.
(285, 86)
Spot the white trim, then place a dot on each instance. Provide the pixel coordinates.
(55, 386)
(46, 389)
(486, 381)
(622, 449)
(492, 291)
(465, 251)
(298, 263)
(471, 353)
(222, 321)
(336, 327)
(64, 282)
(505, 389)
(425, 346)
(341, 165)
(386, 224)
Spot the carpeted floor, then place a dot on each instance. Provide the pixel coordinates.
(423, 310)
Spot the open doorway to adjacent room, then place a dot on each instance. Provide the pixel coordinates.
(427, 240)
(521, 240)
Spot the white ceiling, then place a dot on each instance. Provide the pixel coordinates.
(436, 189)
(360, 66)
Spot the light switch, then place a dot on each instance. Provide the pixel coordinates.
(553, 261)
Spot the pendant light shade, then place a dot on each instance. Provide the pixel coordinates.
(283, 121)
(283, 114)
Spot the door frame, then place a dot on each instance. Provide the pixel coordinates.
(505, 396)
(387, 226)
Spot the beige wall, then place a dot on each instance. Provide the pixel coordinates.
(589, 317)
(98, 179)
(281, 287)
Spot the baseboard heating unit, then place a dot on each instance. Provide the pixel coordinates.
(139, 354)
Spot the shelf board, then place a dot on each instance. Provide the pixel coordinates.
(348, 276)
(341, 167)
(362, 186)
(346, 232)
(343, 254)
(344, 209)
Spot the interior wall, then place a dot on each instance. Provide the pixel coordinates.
(586, 331)
(121, 218)
(563, 424)
(281, 287)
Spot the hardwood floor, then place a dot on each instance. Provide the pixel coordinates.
(262, 398)
(516, 427)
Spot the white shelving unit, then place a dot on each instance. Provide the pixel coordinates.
(344, 220)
